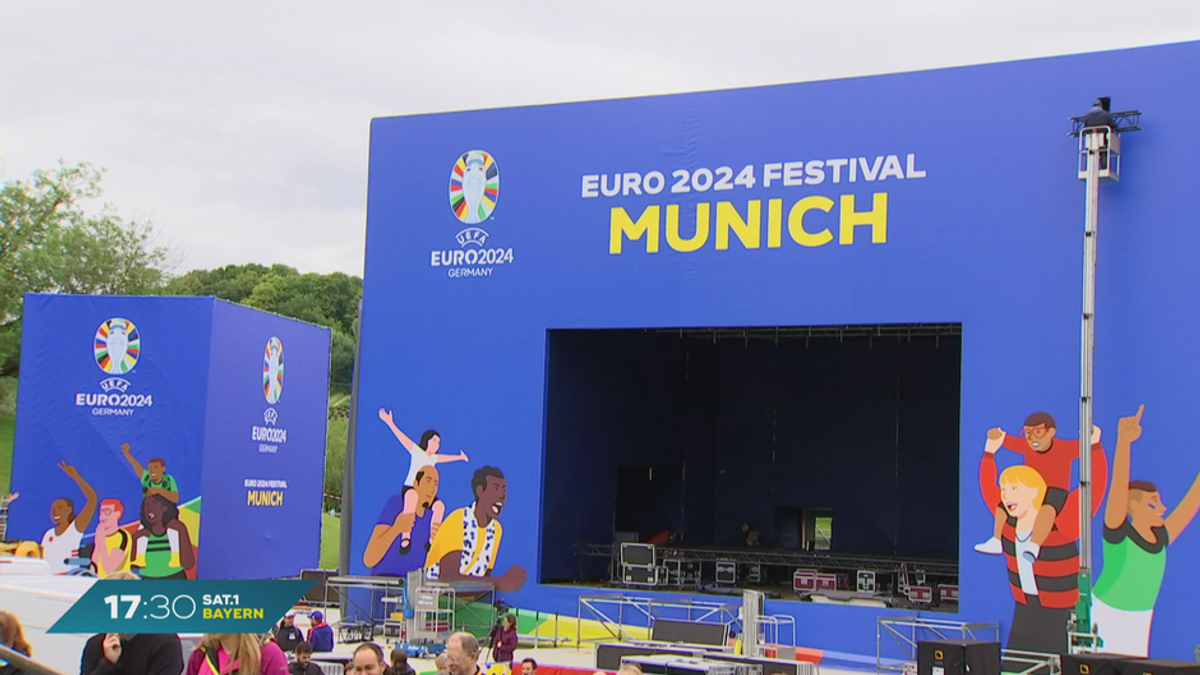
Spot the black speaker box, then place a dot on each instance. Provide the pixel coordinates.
(1095, 664)
(1159, 667)
(958, 657)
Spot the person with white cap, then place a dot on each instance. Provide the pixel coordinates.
(287, 635)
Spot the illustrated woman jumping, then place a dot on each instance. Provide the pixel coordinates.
(424, 454)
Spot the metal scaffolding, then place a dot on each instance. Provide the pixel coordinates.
(615, 611)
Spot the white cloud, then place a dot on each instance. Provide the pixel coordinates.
(241, 128)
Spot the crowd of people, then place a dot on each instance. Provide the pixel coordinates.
(286, 650)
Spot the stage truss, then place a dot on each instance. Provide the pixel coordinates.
(786, 558)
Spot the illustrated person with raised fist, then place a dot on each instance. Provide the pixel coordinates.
(1052, 458)
(424, 455)
(61, 542)
(1137, 531)
(154, 476)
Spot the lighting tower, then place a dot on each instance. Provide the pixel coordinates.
(1099, 134)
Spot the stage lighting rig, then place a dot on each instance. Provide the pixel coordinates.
(1099, 133)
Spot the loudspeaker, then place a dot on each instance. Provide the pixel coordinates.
(958, 657)
(1095, 664)
(1159, 667)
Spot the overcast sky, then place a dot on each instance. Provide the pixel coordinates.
(241, 128)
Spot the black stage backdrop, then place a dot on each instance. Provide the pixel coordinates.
(702, 435)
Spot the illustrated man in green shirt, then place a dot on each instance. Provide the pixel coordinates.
(155, 479)
(1137, 531)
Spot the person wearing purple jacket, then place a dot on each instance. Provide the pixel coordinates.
(504, 641)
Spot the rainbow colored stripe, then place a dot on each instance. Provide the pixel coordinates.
(491, 191)
(272, 386)
(100, 347)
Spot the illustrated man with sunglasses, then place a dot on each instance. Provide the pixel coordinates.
(1052, 458)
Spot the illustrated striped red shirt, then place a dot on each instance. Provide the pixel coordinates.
(1056, 569)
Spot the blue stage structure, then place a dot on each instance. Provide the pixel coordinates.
(134, 410)
(495, 418)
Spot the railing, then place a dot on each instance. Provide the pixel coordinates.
(1031, 663)
(907, 631)
(25, 663)
(643, 611)
(536, 636)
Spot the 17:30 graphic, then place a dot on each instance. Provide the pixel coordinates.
(182, 606)
(160, 606)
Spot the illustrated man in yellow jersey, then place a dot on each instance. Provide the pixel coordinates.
(465, 547)
(111, 552)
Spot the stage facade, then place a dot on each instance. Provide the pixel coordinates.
(498, 432)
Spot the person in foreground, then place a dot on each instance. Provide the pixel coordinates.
(303, 664)
(368, 660)
(13, 637)
(236, 653)
(400, 663)
(462, 654)
(131, 654)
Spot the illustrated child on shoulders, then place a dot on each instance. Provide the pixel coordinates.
(155, 479)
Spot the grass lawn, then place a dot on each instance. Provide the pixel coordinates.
(331, 533)
(8, 424)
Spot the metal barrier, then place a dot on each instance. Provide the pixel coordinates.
(536, 637)
(1035, 663)
(645, 610)
(25, 663)
(904, 629)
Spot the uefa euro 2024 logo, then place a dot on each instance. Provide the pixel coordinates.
(116, 346)
(273, 370)
(270, 436)
(474, 190)
(474, 187)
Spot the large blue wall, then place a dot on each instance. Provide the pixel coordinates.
(989, 238)
(161, 415)
(193, 398)
(279, 538)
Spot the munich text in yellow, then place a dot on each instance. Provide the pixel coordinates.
(232, 613)
(264, 497)
(809, 221)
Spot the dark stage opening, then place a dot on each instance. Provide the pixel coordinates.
(836, 441)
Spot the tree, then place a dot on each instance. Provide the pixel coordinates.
(49, 243)
(329, 300)
(234, 283)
